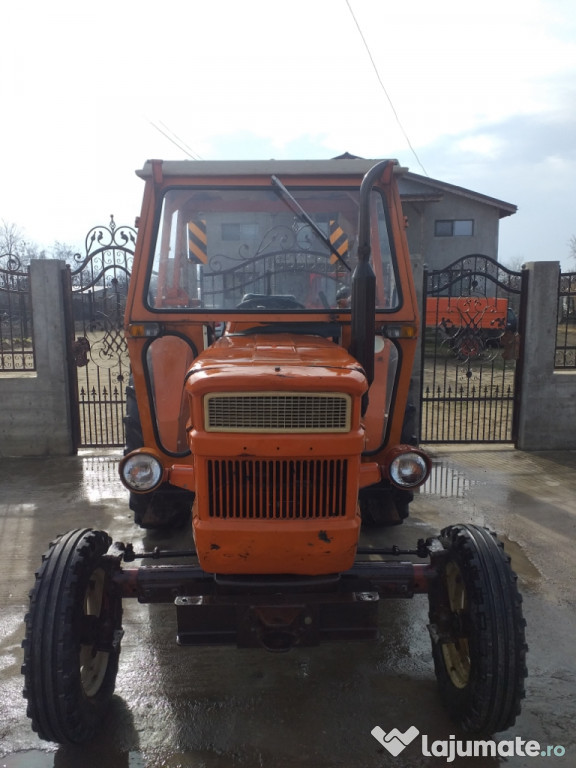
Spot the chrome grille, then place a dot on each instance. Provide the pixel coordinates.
(277, 412)
(277, 490)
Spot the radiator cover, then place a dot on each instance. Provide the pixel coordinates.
(282, 489)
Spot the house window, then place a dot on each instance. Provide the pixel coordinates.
(239, 231)
(453, 227)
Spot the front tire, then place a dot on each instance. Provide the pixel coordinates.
(477, 630)
(72, 642)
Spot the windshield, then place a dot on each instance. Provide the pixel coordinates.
(250, 249)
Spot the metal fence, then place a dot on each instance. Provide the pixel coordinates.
(99, 287)
(471, 348)
(16, 336)
(566, 323)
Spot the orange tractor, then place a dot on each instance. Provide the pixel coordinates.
(272, 325)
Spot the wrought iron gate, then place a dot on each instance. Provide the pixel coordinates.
(99, 288)
(471, 352)
(16, 336)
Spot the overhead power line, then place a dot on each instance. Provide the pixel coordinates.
(176, 140)
(366, 46)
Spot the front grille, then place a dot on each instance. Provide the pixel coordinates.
(277, 490)
(277, 412)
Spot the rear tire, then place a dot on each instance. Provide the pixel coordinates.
(72, 642)
(166, 508)
(477, 630)
(384, 506)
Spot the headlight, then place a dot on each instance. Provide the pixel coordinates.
(409, 469)
(141, 472)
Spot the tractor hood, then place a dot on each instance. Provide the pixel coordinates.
(275, 362)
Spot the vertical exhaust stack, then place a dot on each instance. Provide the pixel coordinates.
(364, 281)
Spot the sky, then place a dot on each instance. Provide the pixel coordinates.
(481, 95)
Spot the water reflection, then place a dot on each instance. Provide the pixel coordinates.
(100, 479)
(447, 482)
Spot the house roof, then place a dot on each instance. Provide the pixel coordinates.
(416, 188)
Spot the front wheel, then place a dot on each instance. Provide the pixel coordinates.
(477, 630)
(72, 642)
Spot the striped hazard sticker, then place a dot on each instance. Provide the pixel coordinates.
(339, 241)
(197, 241)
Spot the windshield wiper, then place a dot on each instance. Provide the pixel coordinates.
(297, 208)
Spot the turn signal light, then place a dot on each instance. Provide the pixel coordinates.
(144, 330)
(400, 331)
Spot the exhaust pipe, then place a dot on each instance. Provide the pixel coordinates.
(363, 298)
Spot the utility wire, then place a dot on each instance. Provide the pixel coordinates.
(193, 154)
(384, 89)
(182, 146)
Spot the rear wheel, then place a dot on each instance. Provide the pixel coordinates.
(167, 507)
(72, 642)
(384, 506)
(477, 630)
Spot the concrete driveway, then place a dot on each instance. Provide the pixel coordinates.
(310, 708)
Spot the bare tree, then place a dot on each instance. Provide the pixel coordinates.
(64, 252)
(11, 239)
(572, 246)
(14, 244)
(514, 263)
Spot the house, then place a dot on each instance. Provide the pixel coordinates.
(446, 222)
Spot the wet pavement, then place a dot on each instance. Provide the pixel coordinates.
(310, 708)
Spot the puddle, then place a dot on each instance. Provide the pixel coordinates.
(526, 571)
(100, 479)
(29, 759)
(38, 759)
(446, 482)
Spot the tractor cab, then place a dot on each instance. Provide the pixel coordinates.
(277, 294)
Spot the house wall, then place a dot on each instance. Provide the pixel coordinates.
(439, 252)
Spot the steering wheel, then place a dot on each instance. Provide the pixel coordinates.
(264, 301)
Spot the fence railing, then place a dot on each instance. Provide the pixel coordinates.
(16, 336)
(565, 356)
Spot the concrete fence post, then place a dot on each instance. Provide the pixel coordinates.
(35, 418)
(547, 408)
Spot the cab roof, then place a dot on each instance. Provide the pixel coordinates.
(334, 167)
